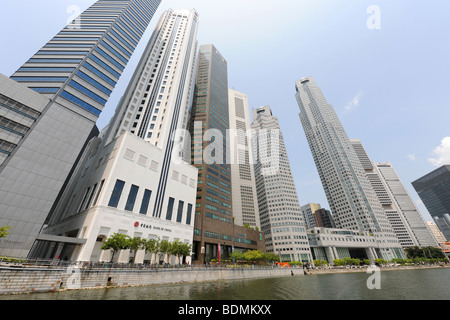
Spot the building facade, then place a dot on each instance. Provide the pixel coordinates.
(132, 179)
(215, 235)
(434, 190)
(308, 214)
(75, 73)
(352, 200)
(406, 220)
(245, 201)
(279, 208)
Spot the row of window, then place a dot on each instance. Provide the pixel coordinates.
(144, 205)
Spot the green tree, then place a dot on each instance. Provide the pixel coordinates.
(4, 231)
(115, 243)
(152, 246)
(136, 244)
(165, 247)
(180, 249)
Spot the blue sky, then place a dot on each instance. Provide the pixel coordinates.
(390, 86)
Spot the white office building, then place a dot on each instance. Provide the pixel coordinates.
(350, 195)
(245, 201)
(406, 220)
(132, 179)
(279, 208)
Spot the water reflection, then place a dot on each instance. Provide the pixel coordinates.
(431, 284)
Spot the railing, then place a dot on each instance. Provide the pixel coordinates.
(52, 263)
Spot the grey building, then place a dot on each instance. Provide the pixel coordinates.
(350, 195)
(49, 107)
(434, 190)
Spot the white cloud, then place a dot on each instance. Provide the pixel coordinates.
(354, 103)
(412, 156)
(442, 153)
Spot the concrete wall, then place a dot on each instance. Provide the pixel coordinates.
(28, 280)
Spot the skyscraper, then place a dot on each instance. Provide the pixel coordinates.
(279, 208)
(215, 234)
(132, 179)
(245, 201)
(352, 200)
(434, 190)
(74, 74)
(406, 220)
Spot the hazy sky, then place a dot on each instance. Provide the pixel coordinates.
(385, 71)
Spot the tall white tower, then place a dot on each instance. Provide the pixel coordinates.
(350, 195)
(279, 208)
(245, 201)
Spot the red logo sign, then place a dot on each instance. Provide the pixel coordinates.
(136, 224)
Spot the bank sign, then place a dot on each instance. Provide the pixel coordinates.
(137, 224)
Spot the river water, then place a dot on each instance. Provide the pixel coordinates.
(425, 284)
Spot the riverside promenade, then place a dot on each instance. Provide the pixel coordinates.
(22, 279)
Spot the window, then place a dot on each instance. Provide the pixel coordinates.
(80, 102)
(170, 209)
(145, 202)
(98, 193)
(180, 211)
(117, 192)
(131, 198)
(189, 214)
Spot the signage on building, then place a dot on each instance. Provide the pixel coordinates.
(148, 226)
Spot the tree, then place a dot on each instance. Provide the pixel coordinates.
(152, 246)
(136, 244)
(180, 249)
(4, 231)
(115, 243)
(165, 247)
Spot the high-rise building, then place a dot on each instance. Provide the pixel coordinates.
(323, 218)
(437, 233)
(215, 234)
(308, 214)
(279, 208)
(434, 190)
(406, 220)
(132, 179)
(49, 107)
(245, 201)
(350, 195)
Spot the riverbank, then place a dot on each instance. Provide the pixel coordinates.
(23, 280)
(365, 268)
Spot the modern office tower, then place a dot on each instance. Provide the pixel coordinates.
(132, 179)
(434, 190)
(279, 208)
(323, 218)
(308, 214)
(406, 220)
(215, 234)
(352, 200)
(42, 134)
(245, 201)
(437, 233)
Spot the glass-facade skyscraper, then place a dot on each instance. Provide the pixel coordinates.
(434, 190)
(351, 197)
(50, 106)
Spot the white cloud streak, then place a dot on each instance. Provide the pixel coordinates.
(442, 153)
(352, 105)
